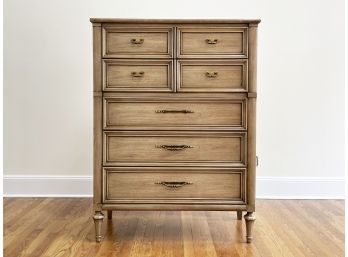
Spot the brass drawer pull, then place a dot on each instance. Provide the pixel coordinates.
(211, 74)
(138, 74)
(174, 184)
(174, 147)
(174, 111)
(211, 41)
(137, 41)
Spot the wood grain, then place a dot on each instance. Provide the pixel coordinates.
(217, 184)
(149, 147)
(150, 75)
(175, 21)
(35, 227)
(212, 76)
(197, 42)
(97, 114)
(181, 60)
(150, 42)
(133, 114)
(252, 85)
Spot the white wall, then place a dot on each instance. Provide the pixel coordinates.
(48, 81)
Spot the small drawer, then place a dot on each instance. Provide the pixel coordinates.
(161, 148)
(212, 76)
(148, 113)
(209, 42)
(137, 42)
(173, 184)
(140, 76)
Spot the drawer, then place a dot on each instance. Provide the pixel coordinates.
(179, 114)
(212, 76)
(137, 42)
(173, 184)
(135, 75)
(161, 148)
(210, 42)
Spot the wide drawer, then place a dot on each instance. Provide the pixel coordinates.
(218, 42)
(212, 76)
(137, 42)
(161, 185)
(161, 148)
(135, 75)
(168, 113)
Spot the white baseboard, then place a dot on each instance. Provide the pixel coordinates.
(300, 187)
(48, 186)
(266, 187)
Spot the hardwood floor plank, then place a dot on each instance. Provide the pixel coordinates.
(18, 210)
(60, 233)
(202, 241)
(309, 233)
(172, 235)
(322, 217)
(282, 240)
(324, 213)
(35, 227)
(187, 234)
(19, 235)
(282, 226)
(222, 239)
(119, 239)
(137, 242)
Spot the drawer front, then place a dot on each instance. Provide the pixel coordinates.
(212, 42)
(170, 184)
(128, 42)
(129, 148)
(147, 114)
(212, 76)
(135, 75)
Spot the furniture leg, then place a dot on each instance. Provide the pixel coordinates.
(239, 215)
(109, 215)
(249, 221)
(98, 222)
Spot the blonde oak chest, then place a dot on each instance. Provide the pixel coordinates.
(174, 116)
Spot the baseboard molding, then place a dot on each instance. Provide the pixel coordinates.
(48, 186)
(267, 187)
(300, 187)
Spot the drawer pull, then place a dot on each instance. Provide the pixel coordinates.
(174, 147)
(174, 184)
(211, 41)
(137, 41)
(138, 74)
(174, 111)
(211, 74)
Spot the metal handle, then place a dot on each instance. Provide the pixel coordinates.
(174, 147)
(211, 74)
(211, 41)
(138, 74)
(137, 41)
(174, 111)
(173, 184)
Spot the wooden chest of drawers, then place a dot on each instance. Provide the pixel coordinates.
(174, 116)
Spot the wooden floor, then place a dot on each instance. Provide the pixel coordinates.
(63, 227)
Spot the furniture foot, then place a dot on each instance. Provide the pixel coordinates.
(239, 215)
(249, 221)
(98, 222)
(109, 215)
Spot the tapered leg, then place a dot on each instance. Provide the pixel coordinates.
(98, 222)
(239, 215)
(109, 215)
(249, 222)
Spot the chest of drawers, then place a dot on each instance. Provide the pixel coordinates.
(174, 116)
